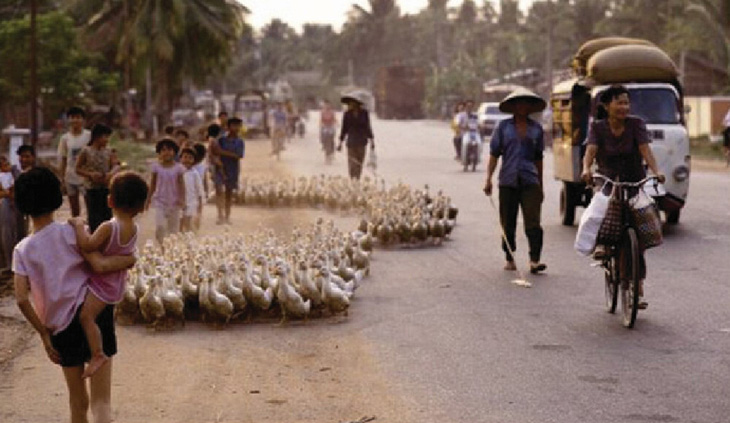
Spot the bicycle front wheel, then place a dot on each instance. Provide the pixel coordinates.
(630, 262)
(611, 277)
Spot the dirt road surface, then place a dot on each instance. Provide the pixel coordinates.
(435, 334)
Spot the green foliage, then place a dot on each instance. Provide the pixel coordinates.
(66, 72)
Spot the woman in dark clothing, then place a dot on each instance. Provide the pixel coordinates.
(356, 127)
(619, 144)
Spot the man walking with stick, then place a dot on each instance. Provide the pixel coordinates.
(356, 128)
(519, 141)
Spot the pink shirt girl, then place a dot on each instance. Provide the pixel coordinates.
(109, 287)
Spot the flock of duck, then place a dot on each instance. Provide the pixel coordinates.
(398, 215)
(222, 278)
(316, 271)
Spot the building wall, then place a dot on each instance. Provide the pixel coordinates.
(705, 117)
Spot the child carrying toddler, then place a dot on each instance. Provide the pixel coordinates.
(118, 236)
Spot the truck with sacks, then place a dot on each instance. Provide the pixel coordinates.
(656, 96)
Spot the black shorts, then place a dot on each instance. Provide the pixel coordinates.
(71, 342)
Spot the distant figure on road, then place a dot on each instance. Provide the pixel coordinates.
(457, 129)
(327, 130)
(69, 148)
(519, 141)
(356, 128)
(278, 125)
(726, 137)
(232, 150)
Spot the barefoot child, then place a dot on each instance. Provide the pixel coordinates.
(50, 285)
(167, 190)
(118, 236)
(193, 191)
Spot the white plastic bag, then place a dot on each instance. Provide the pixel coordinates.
(372, 160)
(641, 200)
(590, 223)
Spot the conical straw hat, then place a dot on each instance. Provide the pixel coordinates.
(537, 104)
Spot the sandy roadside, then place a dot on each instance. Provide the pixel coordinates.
(323, 371)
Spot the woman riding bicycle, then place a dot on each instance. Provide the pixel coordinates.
(619, 142)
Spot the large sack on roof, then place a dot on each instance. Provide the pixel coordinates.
(589, 48)
(631, 63)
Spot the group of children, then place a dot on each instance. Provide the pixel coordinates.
(179, 178)
(67, 292)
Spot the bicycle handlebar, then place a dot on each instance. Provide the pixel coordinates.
(624, 184)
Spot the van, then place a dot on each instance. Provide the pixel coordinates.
(656, 96)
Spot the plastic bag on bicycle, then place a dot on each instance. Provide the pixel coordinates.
(645, 217)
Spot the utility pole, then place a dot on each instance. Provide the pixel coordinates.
(33, 73)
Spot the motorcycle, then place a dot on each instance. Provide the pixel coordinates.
(327, 138)
(471, 146)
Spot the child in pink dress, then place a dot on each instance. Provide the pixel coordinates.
(115, 237)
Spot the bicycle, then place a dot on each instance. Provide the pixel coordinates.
(622, 261)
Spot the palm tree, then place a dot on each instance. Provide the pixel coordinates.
(177, 39)
(367, 28)
(716, 14)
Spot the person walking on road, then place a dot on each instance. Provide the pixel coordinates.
(356, 128)
(519, 142)
(726, 138)
(458, 110)
(69, 147)
(232, 150)
(327, 130)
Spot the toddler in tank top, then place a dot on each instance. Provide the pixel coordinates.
(118, 236)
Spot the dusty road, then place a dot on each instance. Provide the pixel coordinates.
(436, 335)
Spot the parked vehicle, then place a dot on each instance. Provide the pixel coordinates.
(489, 117)
(656, 96)
(399, 92)
(251, 108)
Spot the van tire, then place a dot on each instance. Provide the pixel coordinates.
(673, 217)
(567, 204)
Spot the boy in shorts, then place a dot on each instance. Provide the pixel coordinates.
(69, 147)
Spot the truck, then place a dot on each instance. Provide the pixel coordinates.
(251, 107)
(656, 96)
(399, 92)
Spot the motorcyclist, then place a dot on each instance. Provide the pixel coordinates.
(469, 127)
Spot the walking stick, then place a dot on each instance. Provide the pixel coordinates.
(520, 281)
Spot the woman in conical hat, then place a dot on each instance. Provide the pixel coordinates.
(519, 142)
(357, 131)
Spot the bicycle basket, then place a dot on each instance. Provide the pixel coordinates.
(610, 231)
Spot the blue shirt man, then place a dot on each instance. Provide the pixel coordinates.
(519, 142)
(231, 152)
(519, 155)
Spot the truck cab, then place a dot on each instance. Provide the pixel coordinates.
(658, 103)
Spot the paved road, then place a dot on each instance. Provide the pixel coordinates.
(467, 346)
(438, 335)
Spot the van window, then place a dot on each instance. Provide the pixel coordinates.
(654, 105)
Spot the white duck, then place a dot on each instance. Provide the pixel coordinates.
(259, 297)
(335, 299)
(292, 304)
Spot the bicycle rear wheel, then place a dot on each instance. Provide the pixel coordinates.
(611, 277)
(629, 261)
